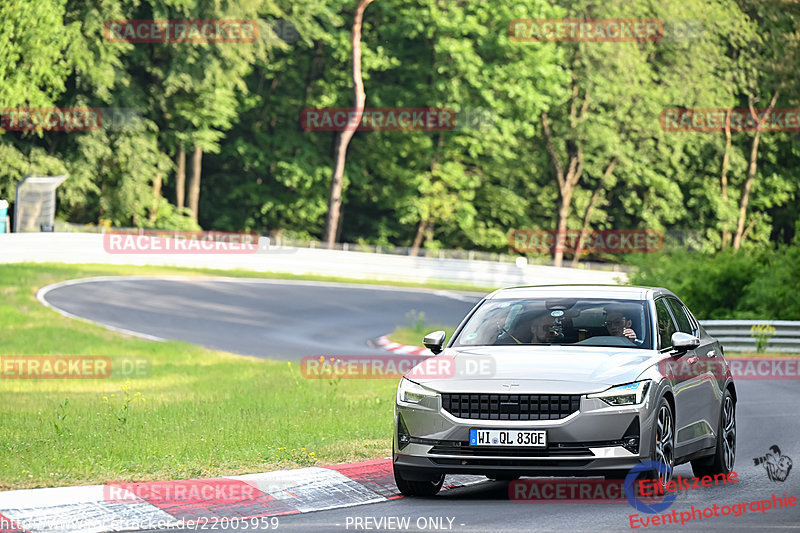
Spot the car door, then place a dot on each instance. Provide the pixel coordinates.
(703, 366)
(684, 385)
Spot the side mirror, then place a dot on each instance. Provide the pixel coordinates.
(683, 342)
(435, 341)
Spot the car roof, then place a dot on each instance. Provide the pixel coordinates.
(620, 292)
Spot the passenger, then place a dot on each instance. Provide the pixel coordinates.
(618, 324)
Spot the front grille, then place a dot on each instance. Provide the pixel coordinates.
(511, 406)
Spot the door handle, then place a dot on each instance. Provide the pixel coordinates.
(712, 353)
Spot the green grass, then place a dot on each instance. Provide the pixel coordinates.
(413, 336)
(760, 354)
(417, 329)
(199, 413)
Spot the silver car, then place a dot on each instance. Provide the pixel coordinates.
(583, 381)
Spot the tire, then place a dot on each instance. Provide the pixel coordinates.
(663, 443)
(418, 488)
(725, 451)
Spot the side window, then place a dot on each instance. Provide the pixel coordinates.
(666, 327)
(684, 324)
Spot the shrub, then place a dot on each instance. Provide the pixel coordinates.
(746, 284)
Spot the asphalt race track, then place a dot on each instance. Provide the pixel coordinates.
(293, 319)
(264, 318)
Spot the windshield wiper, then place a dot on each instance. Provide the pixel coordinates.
(504, 330)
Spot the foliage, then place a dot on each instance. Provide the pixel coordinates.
(461, 188)
(762, 333)
(758, 285)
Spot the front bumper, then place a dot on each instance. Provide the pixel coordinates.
(597, 438)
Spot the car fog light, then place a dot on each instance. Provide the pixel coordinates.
(631, 444)
(403, 438)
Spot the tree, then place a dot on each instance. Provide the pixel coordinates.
(773, 59)
(471, 184)
(343, 138)
(37, 52)
(271, 176)
(193, 87)
(36, 58)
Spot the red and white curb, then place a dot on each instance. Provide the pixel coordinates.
(395, 347)
(169, 504)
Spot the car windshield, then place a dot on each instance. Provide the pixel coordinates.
(562, 321)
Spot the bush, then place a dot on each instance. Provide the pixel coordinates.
(774, 294)
(727, 285)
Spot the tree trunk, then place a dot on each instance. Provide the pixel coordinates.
(335, 195)
(726, 234)
(751, 174)
(418, 238)
(750, 225)
(343, 138)
(425, 227)
(566, 185)
(194, 184)
(588, 214)
(180, 178)
(429, 232)
(156, 197)
(561, 232)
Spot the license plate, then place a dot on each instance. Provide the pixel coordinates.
(508, 437)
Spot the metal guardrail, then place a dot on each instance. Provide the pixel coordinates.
(735, 334)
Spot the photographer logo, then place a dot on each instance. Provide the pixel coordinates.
(777, 466)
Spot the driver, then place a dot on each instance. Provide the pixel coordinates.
(618, 324)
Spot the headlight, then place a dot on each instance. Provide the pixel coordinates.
(410, 392)
(630, 394)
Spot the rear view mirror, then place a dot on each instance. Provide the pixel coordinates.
(683, 342)
(434, 341)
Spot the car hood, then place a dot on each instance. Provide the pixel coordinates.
(541, 369)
